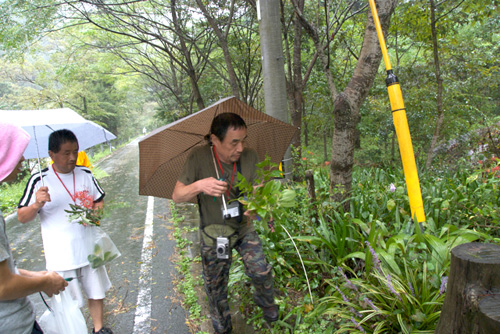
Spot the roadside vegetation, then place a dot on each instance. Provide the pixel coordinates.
(369, 270)
(372, 270)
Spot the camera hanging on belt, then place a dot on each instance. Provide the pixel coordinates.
(223, 242)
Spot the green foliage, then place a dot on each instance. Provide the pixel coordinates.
(397, 267)
(10, 194)
(188, 282)
(22, 22)
(403, 288)
(265, 196)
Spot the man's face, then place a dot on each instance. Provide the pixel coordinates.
(13, 175)
(65, 159)
(229, 150)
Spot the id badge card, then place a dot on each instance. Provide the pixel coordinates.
(233, 210)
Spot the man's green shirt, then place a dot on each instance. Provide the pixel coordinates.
(200, 165)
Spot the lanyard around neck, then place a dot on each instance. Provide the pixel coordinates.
(73, 197)
(222, 170)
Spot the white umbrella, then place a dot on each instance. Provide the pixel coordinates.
(41, 123)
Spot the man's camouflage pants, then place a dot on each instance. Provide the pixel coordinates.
(216, 276)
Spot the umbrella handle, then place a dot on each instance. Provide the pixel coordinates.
(38, 156)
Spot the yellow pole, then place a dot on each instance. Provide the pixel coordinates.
(402, 129)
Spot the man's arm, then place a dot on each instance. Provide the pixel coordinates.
(209, 186)
(28, 213)
(99, 205)
(13, 286)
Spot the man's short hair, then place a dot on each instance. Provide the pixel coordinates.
(222, 122)
(59, 137)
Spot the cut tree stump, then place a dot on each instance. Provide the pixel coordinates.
(472, 301)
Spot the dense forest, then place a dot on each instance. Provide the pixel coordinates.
(133, 64)
(131, 60)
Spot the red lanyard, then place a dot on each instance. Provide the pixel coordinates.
(232, 177)
(73, 197)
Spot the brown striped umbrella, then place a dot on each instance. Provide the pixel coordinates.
(163, 152)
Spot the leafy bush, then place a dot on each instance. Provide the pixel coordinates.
(10, 194)
(405, 290)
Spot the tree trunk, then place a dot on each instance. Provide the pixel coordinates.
(190, 70)
(325, 149)
(311, 189)
(347, 104)
(472, 304)
(439, 89)
(222, 37)
(297, 88)
(273, 69)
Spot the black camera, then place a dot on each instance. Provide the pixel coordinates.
(222, 248)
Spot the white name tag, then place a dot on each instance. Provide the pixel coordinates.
(233, 210)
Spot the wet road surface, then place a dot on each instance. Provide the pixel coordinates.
(143, 299)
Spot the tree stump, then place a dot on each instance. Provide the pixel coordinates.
(472, 301)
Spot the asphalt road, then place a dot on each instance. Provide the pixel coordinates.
(143, 299)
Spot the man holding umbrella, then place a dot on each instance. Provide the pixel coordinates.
(210, 175)
(49, 195)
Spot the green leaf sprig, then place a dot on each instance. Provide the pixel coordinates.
(266, 196)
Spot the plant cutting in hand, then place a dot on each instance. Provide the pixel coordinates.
(83, 210)
(266, 197)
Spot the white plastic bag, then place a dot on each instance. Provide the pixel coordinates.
(101, 248)
(66, 317)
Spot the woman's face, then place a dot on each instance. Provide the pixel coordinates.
(13, 175)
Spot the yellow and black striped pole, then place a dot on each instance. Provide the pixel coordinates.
(402, 129)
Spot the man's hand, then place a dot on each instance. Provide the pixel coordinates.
(27, 282)
(213, 187)
(54, 283)
(28, 213)
(42, 197)
(209, 186)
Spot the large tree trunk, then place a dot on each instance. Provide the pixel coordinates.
(348, 103)
(273, 69)
(439, 88)
(472, 304)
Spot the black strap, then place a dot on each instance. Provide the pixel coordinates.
(45, 302)
(215, 239)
